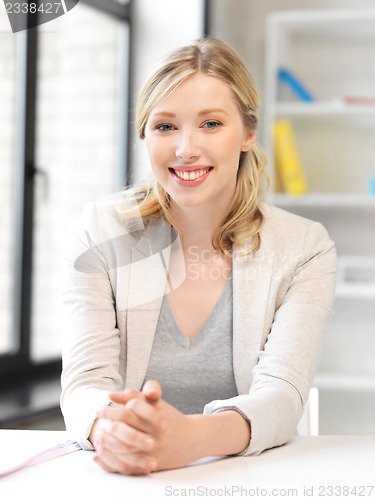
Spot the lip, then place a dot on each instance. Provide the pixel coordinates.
(192, 168)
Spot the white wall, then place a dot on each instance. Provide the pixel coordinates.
(159, 27)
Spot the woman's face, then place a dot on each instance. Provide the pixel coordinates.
(194, 139)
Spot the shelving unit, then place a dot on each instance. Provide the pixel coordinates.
(333, 54)
(323, 108)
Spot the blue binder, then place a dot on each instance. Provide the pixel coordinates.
(295, 85)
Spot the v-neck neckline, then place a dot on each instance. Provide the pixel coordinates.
(174, 326)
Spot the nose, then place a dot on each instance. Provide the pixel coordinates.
(187, 146)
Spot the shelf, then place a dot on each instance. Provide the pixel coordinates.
(356, 277)
(355, 291)
(331, 52)
(330, 200)
(322, 108)
(345, 382)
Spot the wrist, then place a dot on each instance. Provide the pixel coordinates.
(224, 433)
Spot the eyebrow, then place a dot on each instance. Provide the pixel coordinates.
(164, 113)
(212, 110)
(201, 113)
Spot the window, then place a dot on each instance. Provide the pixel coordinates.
(79, 144)
(63, 142)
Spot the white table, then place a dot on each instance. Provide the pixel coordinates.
(306, 467)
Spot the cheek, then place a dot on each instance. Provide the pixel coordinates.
(152, 149)
(229, 147)
(158, 158)
(157, 150)
(149, 145)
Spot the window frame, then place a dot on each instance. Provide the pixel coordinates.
(16, 365)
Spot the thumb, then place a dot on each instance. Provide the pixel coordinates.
(124, 396)
(152, 390)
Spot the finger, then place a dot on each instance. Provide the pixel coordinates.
(102, 464)
(132, 464)
(124, 396)
(131, 440)
(111, 444)
(120, 413)
(126, 437)
(147, 412)
(152, 390)
(125, 414)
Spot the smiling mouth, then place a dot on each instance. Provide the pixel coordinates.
(191, 176)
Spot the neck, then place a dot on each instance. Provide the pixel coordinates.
(197, 224)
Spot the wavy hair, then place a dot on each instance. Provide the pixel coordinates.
(244, 217)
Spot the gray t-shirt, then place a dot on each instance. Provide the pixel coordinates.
(195, 371)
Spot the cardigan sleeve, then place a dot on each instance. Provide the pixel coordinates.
(91, 343)
(288, 361)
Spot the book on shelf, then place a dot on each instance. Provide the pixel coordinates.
(288, 162)
(295, 85)
(357, 100)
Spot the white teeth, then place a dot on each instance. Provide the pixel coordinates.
(190, 176)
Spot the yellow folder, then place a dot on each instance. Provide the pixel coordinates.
(288, 162)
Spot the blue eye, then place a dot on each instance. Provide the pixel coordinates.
(211, 124)
(165, 127)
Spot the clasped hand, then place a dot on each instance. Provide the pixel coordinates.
(142, 433)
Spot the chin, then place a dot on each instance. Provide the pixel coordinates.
(187, 201)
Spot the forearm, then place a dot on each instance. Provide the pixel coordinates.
(224, 433)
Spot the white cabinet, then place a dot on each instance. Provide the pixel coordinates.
(333, 54)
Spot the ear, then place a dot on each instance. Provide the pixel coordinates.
(248, 141)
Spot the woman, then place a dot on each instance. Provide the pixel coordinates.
(196, 311)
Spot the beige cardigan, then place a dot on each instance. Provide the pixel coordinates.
(116, 278)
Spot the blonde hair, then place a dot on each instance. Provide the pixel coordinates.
(244, 217)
